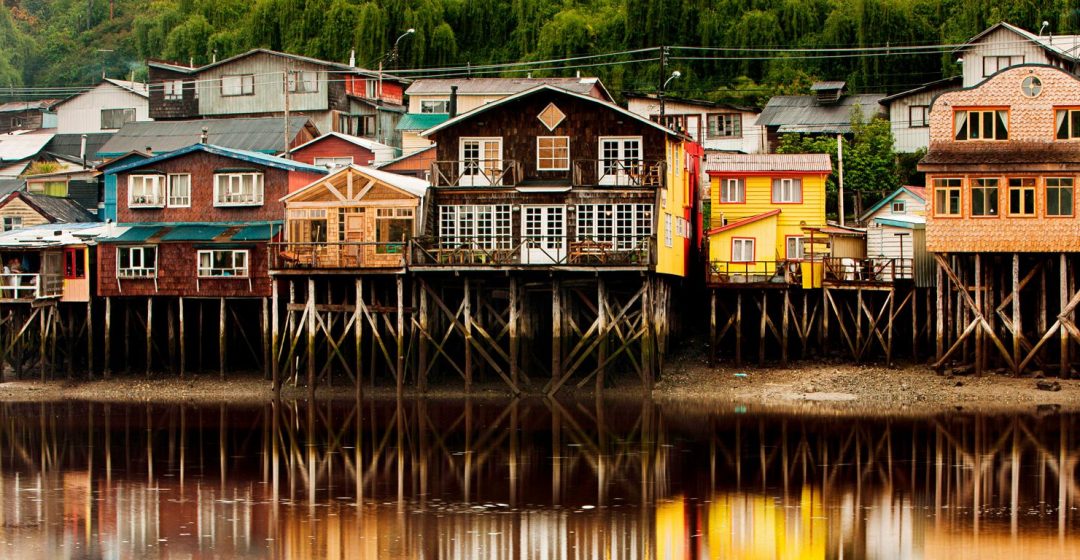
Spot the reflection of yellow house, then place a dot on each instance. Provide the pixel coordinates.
(754, 527)
(762, 205)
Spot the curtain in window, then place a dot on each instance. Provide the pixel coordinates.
(960, 124)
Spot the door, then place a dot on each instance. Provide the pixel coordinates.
(481, 162)
(544, 233)
(620, 161)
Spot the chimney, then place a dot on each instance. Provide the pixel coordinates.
(149, 151)
(191, 62)
(202, 137)
(352, 58)
(453, 101)
(82, 150)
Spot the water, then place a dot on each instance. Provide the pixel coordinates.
(529, 479)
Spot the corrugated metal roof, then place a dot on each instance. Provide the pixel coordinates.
(58, 209)
(421, 121)
(134, 234)
(191, 232)
(803, 113)
(754, 163)
(823, 86)
(243, 155)
(258, 232)
(138, 88)
(263, 134)
(71, 144)
(15, 147)
(943, 85)
(55, 235)
(497, 86)
(18, 106)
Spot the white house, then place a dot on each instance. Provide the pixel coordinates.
(1003, 45)
(716, 126)
(909, 113)
(896, 236)
(104, 108)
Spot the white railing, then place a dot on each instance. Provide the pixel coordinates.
(29, 286)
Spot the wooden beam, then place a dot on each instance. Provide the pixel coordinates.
(107, 366)
(601, 321)
(400, 335)
(311, 335)
(556, 330)
(183, 331)
(222, 341)
(515, 330)
(358, 335)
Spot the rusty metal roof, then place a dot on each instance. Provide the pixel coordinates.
(719, 162)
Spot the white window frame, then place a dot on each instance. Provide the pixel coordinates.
(172, 90)
(257, 195)
(141, 271)
(800, 248)
(245, 85)
(724, 129)
(997, 67)
(210, 271)
(565, 167)
(613, 170)
(668, 236)
(12, 223)
(476, 171)
(430, 106)
(156, 199)
(173, 200)
(898, 207)
(732, 185)
(739, 248)
(371, 87)
(790, 191)
(486, 226)
(334, 162)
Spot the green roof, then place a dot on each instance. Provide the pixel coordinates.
(194, 233)
(262, 232)
(421, 121)
(136, 234)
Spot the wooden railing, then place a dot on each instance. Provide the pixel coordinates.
(754, 272)
(617, 172)
(476, 173)
(30, 286)
(869, 270)
(336, 255)
(532, 251)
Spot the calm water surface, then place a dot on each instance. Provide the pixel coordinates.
(529, 479)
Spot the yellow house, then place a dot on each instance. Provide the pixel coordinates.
(764, 207)
(674, 229)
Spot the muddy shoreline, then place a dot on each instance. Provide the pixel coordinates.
(815, 388)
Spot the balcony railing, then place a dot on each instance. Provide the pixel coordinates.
(30, 286)
(476, 173)
(754, 272)
(880, 270)
(618, 172)
(336, 255)
(532, 251)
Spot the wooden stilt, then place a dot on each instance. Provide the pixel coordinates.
(358, 337)
(889, 325)
(266, 353)
(515, 331)
(199, 328)
(311, 335)
(763, 324)
(979, 300)
(939, 316)
(275, 339)
(602, 327)
(221, 338)
(468, 335)
(149, 335)
(915, 324)
(556, 329)
(647, 344)
(127, 336)
(1016, 319)
(400, 335)
(738, 328)
(107, 365)
(1040, 315)
(826, 299)
(170, 317)
(712, 328)
(43, 346)
(182, 339)
(1063, 286)
(425, 321)
(784, 328)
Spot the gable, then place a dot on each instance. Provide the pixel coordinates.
(15, 206)
(337, 189)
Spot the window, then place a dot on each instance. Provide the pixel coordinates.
(12, 222)
(1031, 86)
(303, 81)
(984, 197)
(918, 116)
(334, 162)
(114, 119)
(667, 230)
(136, 262)
(899, 207)
(49, 188)
(173, 90)
(145, 191)
(307, 225)
(1067, 123)
(238, 189)
(356, 125)
(947, 197)
(795, 248)
(732, 191)
(742, 250)
(240, 84)
(371, 87)
(218, 263)
(626, 226)
(1059, 196)
(552, 153)
(787, 190)
(992, 64)
(725, 125)
(435, 106)
(180, 190)
(981, 125)
(393, 226)
(74, 264)
(194, 89)
(1022, 196)
(476, 226)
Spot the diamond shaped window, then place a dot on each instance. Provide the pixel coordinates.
(551, 116)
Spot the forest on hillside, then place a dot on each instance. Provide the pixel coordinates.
(732, 54)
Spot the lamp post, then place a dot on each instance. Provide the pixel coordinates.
(674, 74)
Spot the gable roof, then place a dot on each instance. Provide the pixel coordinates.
(946, 84)
(137, 88)
(743, 221)
(546, 87)
(257, 134)
(1064, 46)
(917, 192)
(174, 66)
(296, 57)
(502, 86)
(421, 121)
(243, 155)
(724, 162)
(404, 157)
(54, 209)
(16, 147)
(19, 106)
(803, 113)
(375, 147)
(409, 185)
(688, 101)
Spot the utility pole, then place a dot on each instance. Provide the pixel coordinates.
(840, 164)
(285, 86)
(663, 76)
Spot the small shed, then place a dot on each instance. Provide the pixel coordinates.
(902, 239)
(22, 209)
(49, 261)
(358, 217)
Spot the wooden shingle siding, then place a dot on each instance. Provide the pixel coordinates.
(334, 147)
(187, 107)
(177, 274)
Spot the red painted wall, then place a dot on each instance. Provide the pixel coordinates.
(392, 92)
(332, 146)
(177, 271)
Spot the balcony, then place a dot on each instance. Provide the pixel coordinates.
(532, 251)
(30, 286)
(619, 173)
(879, 270)
(476, 173)
(297, 256)
(767, 273)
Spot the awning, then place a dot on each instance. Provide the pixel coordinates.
(260, 232)
(192, 232)
(134, 234)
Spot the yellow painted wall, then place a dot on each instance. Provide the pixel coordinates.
(675, 200)
(765, 242)
(792, 217)
(411, 141)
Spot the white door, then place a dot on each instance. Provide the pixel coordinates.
(544, 233)
(620, 161)
(481, 161)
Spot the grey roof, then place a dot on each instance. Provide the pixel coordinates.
(803, 113)
(498, 86)
(59, 209)
(946, 84)
(262, 134)
(18, 106)
(301, 58)
(8, 186)
(820, 86)
(70, 144)
(1066, 46)
(721, 162)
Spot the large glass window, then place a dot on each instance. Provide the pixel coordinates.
(1059, 196)
(986, 124)
(552, 153)
(947, 196)
(136, 262)
(221, 263)
(146, 191)
(307, 225)
(1022, 196)
(1067, 123)
(393, 226)
(477, 226)
(238, 189)
(435, 106)
(984, 197)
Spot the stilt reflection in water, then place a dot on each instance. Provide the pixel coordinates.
(528, 478)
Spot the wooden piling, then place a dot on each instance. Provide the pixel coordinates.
(266, 337)
(467, 302)
(979, 300)
(784, 328)
(515, 332)
(738, 329)
(602, 328)
(107, 366)
(311, 335)
(358, 334)
(400, 335)
(149, 335)
(170, 317)
(712, 328)
(1064, 296)
(89, 338)
(647, 346)
(182, 340)
(1016, 319)
(556, 330)
(939, 316)
(221, 338)
(761, 327)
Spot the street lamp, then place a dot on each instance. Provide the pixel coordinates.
(674, 74)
